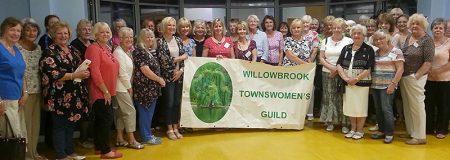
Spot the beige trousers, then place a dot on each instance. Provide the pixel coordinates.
(413, 94)
(125, 113)
(32, 111)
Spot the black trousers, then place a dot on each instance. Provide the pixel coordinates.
(103, 121)
(171, 102)
(437, 95)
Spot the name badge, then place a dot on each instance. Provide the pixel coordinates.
(415, 44)
(226, 45)
(392, 55)
(248, 54)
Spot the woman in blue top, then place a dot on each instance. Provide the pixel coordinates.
(12, 68)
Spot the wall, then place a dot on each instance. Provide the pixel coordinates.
(293, 12)
(16, 8)
(434, 9)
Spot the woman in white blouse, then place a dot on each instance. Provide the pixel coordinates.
(125, 113)
(331, 112)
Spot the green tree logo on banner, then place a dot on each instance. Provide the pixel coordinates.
(211, 92)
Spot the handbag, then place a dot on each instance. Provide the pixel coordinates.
(14, 147)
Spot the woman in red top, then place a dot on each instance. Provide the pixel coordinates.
(218, 45)
(104, 70)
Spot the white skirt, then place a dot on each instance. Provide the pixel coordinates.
(356, 100)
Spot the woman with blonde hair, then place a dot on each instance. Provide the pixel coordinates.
(184, 29)
(331, 109)
(244, 49)
(104, 69)
(171, 56)
(218, 45)
(297, 49)
(147, 83)
(199, 36)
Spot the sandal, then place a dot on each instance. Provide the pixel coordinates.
(440, 136)
(171, 135)
(122, 144)
(178, 134)
(135, 145)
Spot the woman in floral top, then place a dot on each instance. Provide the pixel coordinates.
(297, 49)
(184, 28)
(65, 98)
(243, 48)
(147, 84)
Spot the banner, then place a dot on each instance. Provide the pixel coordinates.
(232, 93)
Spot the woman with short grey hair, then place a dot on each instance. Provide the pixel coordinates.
(260, 37)
(419, 52)
(354, 66)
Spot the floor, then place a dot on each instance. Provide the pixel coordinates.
(312, 143)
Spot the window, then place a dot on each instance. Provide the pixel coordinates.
(252, 3)
(158, 13)
(111, 11)
(174, 2)
(206, 3)
(353, 11)
(206, 14)
(242, 14)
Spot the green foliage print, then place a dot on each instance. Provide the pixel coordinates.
(211, 92)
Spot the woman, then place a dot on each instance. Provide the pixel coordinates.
(104, 70)
(385, 77)
(418, 51)
(184, 29)
(13, 90)
(296, 48)
(118, 23)
(403, 30)
(83, 40)
(147, 83)
(31, 53)
(232, 29)
(328, 24)
(371, 28)
(284, 29)
(310, 36)
(244, 49)
(45, 39)
(354, 66)
(437, 89)
(275, 41)
(66, 99)
(331, 112)
(386, 23)
(125, 114)
(315, 25)
(262, 45)
(218, 45)
(171, 55)
(199, 36)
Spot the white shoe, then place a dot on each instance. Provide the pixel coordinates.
(358, 135)
(330, 127)
(350, 134)
(310, 118)
(374, 128)
(345, 130)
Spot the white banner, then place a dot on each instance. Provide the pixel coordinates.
(232, 93)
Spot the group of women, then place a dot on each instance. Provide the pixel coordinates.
(125, 79)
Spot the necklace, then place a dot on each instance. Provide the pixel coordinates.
(438, 44)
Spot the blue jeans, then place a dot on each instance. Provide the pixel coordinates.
(62, 136)
(145, 120)
(385, 113)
